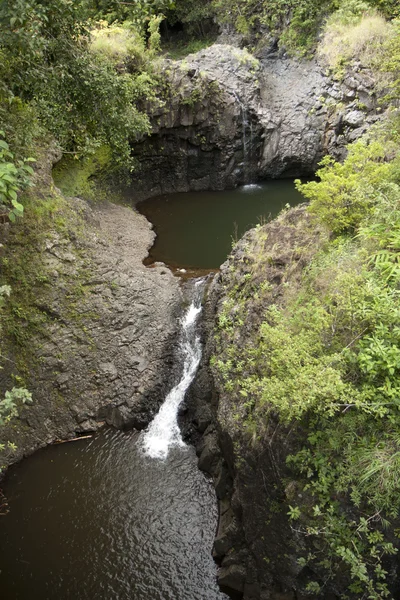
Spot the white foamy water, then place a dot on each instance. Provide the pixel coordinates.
(163, 432)
(251, 187)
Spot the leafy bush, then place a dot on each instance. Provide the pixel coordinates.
(77, 94)
(353, 34)
(117, 43)
(325, 361)
(348, 191)
(15, 176)
(138, 12)
(193, 14)
(297, 20)
(389, 62)
(9, 405)
(15, 397)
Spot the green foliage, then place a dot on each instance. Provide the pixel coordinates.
(15, 176)
(154, 41)
(325, 361)
(354, 33)
(390, 62)
(138, 12)
(348, 191)
(10, 402)
(84, 177)
(296, 22)
(120, 45)
(15, 397)
(21, 126)
(101, 109)
(194, 15)
(77, 94)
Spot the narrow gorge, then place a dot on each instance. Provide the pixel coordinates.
(210, 410)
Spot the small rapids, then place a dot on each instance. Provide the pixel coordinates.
(163, 432)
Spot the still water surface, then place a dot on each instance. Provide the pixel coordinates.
(196, 229)
(99, 520)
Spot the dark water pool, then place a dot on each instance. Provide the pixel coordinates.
(196, 229)
(99, 520)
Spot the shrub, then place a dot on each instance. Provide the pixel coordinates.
(14, 398)
(117, 43)
(325, 362)
(15, 176)
(349, 35)
(348, 191)
(389, 63)
(78, 95)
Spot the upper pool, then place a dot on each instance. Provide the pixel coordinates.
(196, 229)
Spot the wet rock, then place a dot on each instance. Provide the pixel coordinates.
(222, 482)
(233, 118)
(209, 457)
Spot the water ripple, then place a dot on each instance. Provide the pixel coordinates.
(99, 520)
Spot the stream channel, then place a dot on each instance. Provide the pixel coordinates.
(123, 515)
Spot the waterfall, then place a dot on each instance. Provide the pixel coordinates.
(245, 125)
(163, 432)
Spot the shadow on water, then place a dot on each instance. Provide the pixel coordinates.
(101, 520)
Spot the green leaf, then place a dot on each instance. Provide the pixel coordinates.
(18, 206)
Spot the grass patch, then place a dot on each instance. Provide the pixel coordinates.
(119, 44)
(349, 37)
(83, 177)
(178, 50)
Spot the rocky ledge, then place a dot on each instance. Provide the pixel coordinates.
(105, 352)
(255, 545)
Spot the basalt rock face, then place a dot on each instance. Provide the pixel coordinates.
(229, 118)
(204, 136)
(106, 352)
(257, 546)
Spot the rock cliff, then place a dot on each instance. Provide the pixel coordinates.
(230, 118)
(255, 545)
(259, 547)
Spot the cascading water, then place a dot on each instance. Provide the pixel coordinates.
(163, 432)
(110, 521)
(244, 125)
(246, 144)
